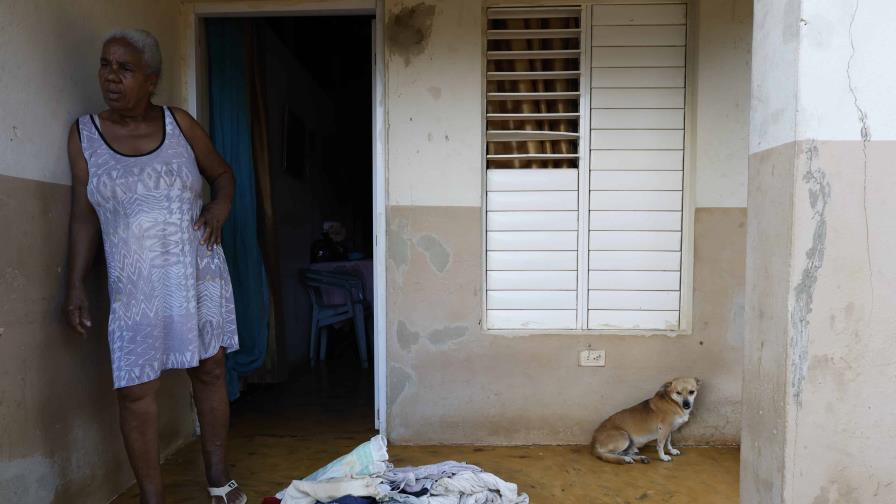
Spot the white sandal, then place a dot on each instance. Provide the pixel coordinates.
(224, 490)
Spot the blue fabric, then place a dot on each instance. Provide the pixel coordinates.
(231, 132)
(348, 499)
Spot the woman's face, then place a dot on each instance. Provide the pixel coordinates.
(124, 77)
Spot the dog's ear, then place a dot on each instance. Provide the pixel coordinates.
(699, 382)
(665, 388)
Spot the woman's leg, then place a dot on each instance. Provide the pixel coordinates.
(139, 420)
(213, 406)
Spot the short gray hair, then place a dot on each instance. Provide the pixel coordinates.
(145, 42)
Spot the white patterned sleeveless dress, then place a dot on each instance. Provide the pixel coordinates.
(171, 298)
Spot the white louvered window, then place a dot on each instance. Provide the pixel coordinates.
(585, 128)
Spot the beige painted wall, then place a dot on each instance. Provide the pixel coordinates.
(765, 349)
(59, 439)
(721, 79)
(449, 381)
(819, 371)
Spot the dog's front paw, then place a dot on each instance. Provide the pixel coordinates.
(665, 458)
(628, 460)
(674, 452)
(644, 460)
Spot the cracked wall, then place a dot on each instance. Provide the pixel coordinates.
(818, 353)
(845, 360)
(818, 189)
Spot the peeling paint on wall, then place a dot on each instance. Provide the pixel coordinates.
(445, 335)
(819, 195)
(31, 479)
(438, 255)
(409, 29)
(399, 252)
(405, 337)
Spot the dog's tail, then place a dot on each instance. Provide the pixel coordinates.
(608, 457)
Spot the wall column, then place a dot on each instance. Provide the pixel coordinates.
(820, 348)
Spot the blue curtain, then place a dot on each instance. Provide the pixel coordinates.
(232, 135)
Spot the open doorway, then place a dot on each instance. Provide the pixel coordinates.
(308, 92)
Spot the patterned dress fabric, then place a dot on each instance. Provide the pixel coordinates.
(171, 298)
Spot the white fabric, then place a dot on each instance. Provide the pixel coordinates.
(366, 459)
(414, 479)
(476, 488)
(310, 492)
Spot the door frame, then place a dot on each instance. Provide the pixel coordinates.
(196, 102)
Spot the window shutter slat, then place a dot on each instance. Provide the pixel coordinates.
(636, 184)
(533, 95)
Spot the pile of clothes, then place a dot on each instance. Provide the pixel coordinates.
(365, 476)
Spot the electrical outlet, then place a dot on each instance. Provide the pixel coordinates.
(592, 358)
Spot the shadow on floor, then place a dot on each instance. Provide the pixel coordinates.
(287, 431)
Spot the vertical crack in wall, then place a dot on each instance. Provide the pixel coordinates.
(865, 132)
(819, 197)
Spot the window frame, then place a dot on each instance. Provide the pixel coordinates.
(686, 289)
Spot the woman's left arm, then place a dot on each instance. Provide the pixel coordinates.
(215, 170)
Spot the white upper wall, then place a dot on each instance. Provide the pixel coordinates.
(434, 101)
(827, 107)
(722, 85)
(49, 54)
(774, 81)
(805, 85)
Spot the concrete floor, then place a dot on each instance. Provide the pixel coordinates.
(287, 431)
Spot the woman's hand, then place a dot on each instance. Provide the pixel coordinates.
(215, 171)
(212, 219)
(84, 232)
(76, 310)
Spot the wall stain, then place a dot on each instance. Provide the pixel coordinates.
(408, 30)
(399, 381)
(435, 92)
(839, 494)
(32, 479)
(437, 254)
(445, 335)
(405, 337)
(12, 279)
(819, 196)
(399, 247)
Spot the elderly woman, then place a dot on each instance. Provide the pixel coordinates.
(137, 171)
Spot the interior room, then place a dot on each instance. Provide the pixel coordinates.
(296, 123)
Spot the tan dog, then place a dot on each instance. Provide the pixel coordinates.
(618, 438)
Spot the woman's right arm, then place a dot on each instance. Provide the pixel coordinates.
(83, 237)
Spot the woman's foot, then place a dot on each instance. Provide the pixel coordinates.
(234, 495)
